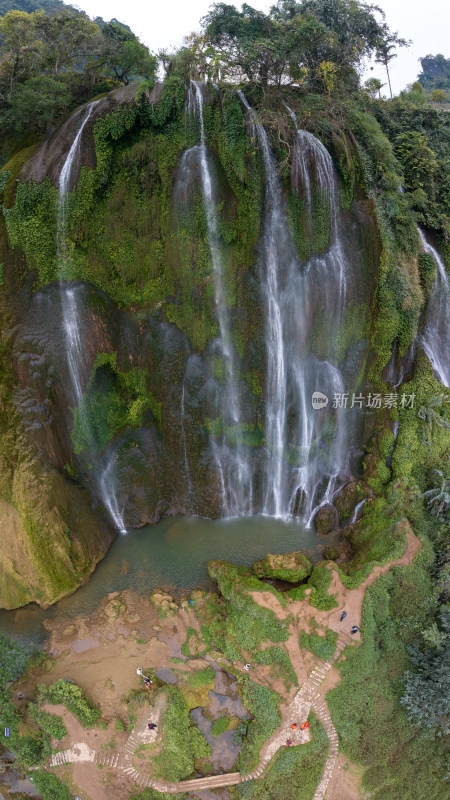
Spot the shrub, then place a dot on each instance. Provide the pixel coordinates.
(70, 695)
(219, 726)
(262, 703)
(51, 724)
(322, 646)
(50, 787)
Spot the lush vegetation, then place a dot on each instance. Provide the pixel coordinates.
(262, 703)
(183, 743)
(53, 59)
(295, 772)
(51, 724)
(374, 729)
(50, 786)
(322, 646)
(71, 696)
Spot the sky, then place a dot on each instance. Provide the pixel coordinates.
(163, 24)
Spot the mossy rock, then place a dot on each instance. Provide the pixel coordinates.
(291, 567)
(326, 519)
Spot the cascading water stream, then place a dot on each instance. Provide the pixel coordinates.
(304, 462)
(435, 339)
(185, 453)
(71, 321)
(233, 463)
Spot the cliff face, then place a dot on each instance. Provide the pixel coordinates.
(154, 381)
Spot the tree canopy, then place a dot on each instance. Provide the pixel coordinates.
(51, 61)
(313, 42)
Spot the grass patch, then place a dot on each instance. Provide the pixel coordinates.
(320, 582)
(322, 646)
(280, 663)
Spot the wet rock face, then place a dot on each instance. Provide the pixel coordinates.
(326, 519)
(152, 460)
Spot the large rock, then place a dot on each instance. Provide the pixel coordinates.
(326, 519)
(292, 567)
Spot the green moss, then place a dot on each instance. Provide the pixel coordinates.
(291, 567)
(113, 401)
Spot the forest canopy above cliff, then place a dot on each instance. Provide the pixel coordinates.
(51, 61)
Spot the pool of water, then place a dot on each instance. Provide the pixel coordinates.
(174, 555)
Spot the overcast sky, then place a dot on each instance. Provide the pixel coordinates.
(162, 24)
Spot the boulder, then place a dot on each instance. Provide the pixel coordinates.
(291, 567)
(326, 519)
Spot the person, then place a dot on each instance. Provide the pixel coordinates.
(343, 616)
(294, 726)
(139, 672)
(151, 726)
(247, 667)
(355, 629)
(289, 742)
(304, 726)
(147, 683)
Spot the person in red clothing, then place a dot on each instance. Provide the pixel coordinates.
(304, 726)
(294, 726)
(289, 742)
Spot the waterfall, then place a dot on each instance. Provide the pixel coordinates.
(72, 333)
(185, 453)
(305, 447)
(435, 339)
(356, 511)
(232, 461)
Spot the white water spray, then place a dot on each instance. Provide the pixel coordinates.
(435, 339)
(305, 447)
(232, 461)
(71, 321)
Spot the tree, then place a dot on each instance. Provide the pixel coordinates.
(427, 687)
(123, 55)
(20, 51)
(67, 37)
(435, 72)
(385, 49)
(373, 87)
(438, 96)
(36, 103)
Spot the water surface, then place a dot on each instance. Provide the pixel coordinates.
(174, 555)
